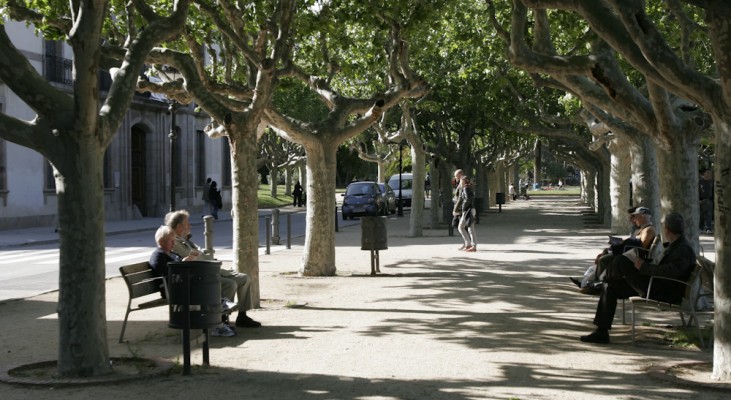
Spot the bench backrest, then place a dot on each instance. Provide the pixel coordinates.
(700, 290)
(651, 253)
(141, 279)
(655, 251)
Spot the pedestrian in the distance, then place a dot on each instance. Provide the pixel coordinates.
(215, 199)
(297, 195)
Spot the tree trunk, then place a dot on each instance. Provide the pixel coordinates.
(516, 177)
(418, 170)
(619, 186)
(679, 183)
(492, 186)
(590, 179)
(319, 255)
(288, 172)
(273, 181)
(604, 207)
(445, 193)
(722, 285)
(302, 172)
(482, 192)
(244, 200)
(381, 171)
(434, 213)
(81, 306)
(502, 177)
(645, 176)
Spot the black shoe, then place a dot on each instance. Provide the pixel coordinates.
(601, 337)
(593, 288)
(244, 321)
(576, 282)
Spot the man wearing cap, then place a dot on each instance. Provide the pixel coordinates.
(632, 278)
(645, 236)
(643, 233)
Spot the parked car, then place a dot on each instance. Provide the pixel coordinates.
(362, 198)
(406, 185)
(389, 198)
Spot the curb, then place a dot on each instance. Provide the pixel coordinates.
(28, 374)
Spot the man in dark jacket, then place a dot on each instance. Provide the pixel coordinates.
(632, 279)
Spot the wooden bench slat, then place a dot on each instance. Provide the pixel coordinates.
(141, 280)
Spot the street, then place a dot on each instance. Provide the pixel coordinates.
(29, 270)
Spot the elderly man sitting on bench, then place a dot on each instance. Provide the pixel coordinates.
(232, 282)
(631, 279)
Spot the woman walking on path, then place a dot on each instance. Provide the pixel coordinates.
(467, 220)
(215, 198)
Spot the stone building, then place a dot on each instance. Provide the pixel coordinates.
(137, 164)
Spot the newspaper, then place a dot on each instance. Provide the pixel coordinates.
(631, 254)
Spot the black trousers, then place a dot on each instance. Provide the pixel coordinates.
(623, 281)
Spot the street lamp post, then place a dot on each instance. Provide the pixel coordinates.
(173, 108)
(169, 74)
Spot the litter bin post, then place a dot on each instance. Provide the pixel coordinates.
(194, 301)
(208, 234)
(500, 200)
(268, 230)
(374, 237)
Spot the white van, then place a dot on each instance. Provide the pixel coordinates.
(406, 185)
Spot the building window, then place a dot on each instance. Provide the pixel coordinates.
(226, 164)
(50, 180)
(200, 148)
(56, 68)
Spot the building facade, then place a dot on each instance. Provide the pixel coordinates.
(137, 165)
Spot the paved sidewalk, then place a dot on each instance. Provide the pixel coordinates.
(49, 234)
(437, 324)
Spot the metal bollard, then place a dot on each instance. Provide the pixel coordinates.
(208, 234)
(275, 226)
(289, 231)
(267, 223)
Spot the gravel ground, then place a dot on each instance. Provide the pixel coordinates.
(501, 323)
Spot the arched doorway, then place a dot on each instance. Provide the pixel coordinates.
(139, 169)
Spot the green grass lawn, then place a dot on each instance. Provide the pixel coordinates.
(267, 201)
(569, 191)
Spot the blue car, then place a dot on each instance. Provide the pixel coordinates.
(363, 198)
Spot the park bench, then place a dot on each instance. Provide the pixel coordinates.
(654, 253)
(697, 300)
(142, 281)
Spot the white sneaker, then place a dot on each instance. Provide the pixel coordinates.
(223, 330)
(227, 304)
